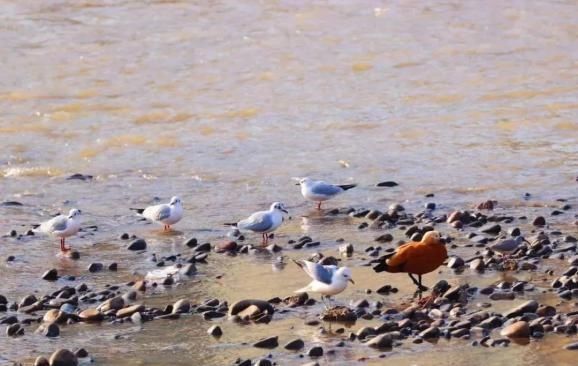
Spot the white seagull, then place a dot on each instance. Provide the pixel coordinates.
(166, 214)
(319, 191)
(62, 226)
(327, 280)
(263, 222)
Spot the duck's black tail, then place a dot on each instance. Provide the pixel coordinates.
(382, 263)
(345, 187)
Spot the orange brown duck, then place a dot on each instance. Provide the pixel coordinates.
(415, 258)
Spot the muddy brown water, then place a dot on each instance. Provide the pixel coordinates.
(223, 102)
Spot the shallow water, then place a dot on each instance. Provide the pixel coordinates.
(223, 102)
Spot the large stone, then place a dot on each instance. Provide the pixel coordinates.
(215, 331)
(116, 303)
(431, 332)
(41, 361)
(381, 341)
(519, 329)
(50, 275)
(49, 330)
(527, 307)
(54, 316)
(129, 311)
(241, 305)
(182, 306)
(270, 342)
(91, 315)
(294, 345)
(138, 244)
(63, 357)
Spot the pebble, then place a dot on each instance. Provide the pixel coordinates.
(270, 342)
(137, 244)
(41, 361)
(14, 330)
(431, 332)
(527, 307)
(571, 346)
(539, 221)
(191, 243)
(346, 249)
(381, 341)
(63, 357)
(129, 311)
(50, 275)
(294, 345)
(316, 351)
(49, 330)
(113, 267)
(54, 316)
(519, 329)
(493, 229)
(263, 362)
(384, 238)
(241, 305)
(455, 262)
(502, 296)
(215, 331)
(95, 267)
(91, 315)
(81, 353)
(387, 183)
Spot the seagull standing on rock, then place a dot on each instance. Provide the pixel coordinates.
(327, 280)
(166, 214)
(62, 226)
(263, 222)
(319, 191)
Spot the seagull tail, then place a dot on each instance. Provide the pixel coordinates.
(345, 187)
(304, 289)
(137, 210)
(233, 224)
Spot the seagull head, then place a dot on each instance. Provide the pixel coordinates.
(278, 206)
(74, 213)
(175, 201)
(343, 275)
(303, 181)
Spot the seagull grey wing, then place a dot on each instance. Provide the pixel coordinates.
(58, 223)
(319, 272)
(157, 213)
(325, 189)
(258, 222)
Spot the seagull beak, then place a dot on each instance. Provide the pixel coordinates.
(351, 280)
(284, 210)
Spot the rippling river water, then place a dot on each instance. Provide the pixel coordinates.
(223, 102)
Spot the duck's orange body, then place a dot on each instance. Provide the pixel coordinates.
(416, 257)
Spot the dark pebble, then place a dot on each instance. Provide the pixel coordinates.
(294, 345)
(50, 275)
(539, 221)
(388, 183)
(270, 342)
(215, 331)
(95, 267)
(315, 352)
(113, 267)
(138, 244)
